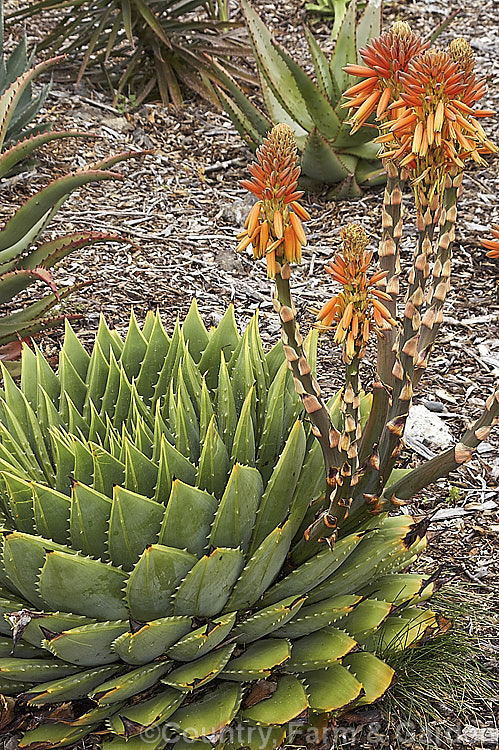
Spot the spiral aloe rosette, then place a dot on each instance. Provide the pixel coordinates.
(151, 493)
(330, 154)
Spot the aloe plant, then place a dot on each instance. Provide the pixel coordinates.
(27, 106)
(144, 47)
(24, 256)
(152, 494)
(330, 155)
(335, 8)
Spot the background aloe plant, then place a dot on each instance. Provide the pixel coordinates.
(28, 105)
(144, 46)
(173, 475)
(334, 8)
(24, 257)
(329, 154)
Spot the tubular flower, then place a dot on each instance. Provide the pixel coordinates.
(492, 245)
(358, 308)
(385, 58)
(436, 130)
(273, 226)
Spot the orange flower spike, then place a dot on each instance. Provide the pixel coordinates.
(359, 302)
(492, 245)
(275, 220)
(437, 132)
(385, 58)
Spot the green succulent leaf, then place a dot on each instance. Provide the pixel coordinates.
(331, 688)
(93, 587)
(207, 586)
(134, 523)
(281, 485)
(154, 579)
(319, 650)
(267, 620)
(287, 702)
(129, 684)
(147, 713)
(188, 518)
(258, 660)
(197, 673)
(201, 641)
(88, 645)
(209, 714)
(235, 517)
(374, 675)
(69, 688)
(145, 643)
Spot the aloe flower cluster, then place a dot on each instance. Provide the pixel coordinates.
(385, 59)
(424, 102)
(358, 306)
(273, 226)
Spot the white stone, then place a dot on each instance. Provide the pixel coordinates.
(426, 427)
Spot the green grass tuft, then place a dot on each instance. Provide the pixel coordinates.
(448, 679)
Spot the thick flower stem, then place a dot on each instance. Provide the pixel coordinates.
(448, 461)
(309, 391)
(339, 448)
(433, 317)
(305, 384)
(390, 445)
(389, 260)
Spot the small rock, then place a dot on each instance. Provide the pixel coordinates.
(237, 211)
(425, 427)
(119, 124)
(436, 406)
(229, 261)
(12, 743)
(87, 112)
(141, 138)
(478, 735)
(482, 572)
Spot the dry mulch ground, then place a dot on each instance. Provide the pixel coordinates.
(181, 209)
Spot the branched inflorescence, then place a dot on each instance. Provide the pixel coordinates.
(424, 103)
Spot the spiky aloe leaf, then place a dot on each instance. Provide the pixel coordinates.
(288, 702)
(12, 96)
(146, 643)
(22, 149)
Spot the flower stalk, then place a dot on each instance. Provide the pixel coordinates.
(424, 104)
